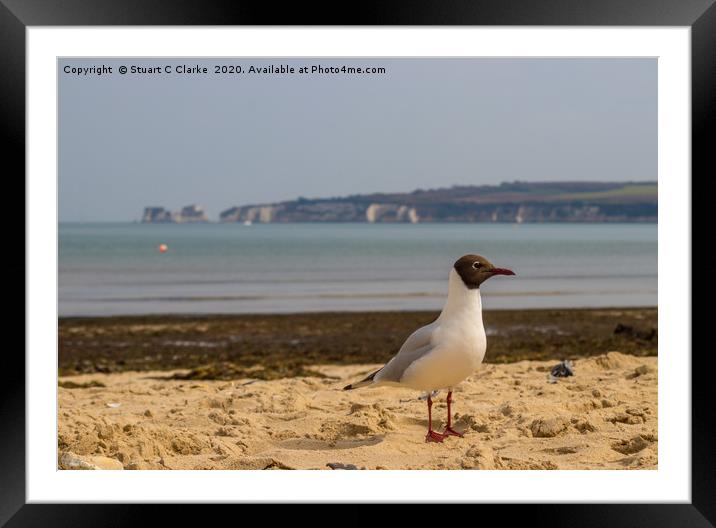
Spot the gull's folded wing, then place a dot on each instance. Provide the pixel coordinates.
(418, 345)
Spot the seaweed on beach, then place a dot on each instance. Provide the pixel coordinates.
(229, 371)
(287, 345)
(69, 384)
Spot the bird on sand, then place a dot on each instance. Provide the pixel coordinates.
(447, 351)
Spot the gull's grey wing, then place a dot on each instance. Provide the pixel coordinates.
(418, 344)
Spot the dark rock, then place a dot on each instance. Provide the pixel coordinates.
(338, 465)
(563, 369)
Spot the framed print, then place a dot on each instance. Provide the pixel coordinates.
(422, 256)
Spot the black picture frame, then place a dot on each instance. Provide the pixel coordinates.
(17, 15)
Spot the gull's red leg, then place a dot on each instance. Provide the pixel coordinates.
(449, 431)
(432, 436)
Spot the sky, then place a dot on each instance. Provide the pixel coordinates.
(132, 140)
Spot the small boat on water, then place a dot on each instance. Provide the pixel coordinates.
(248, 222)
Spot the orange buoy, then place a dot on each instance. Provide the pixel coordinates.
(163, 248)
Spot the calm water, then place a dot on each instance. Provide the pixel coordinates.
(107, 269)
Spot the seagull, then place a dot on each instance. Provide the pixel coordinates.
(447, 351)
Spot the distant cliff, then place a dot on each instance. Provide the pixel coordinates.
(188, 214)
(518, 202)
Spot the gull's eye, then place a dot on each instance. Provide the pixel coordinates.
(476, 265)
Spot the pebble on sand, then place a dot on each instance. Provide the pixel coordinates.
(70, 460)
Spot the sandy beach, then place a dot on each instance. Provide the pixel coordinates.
(603, 417)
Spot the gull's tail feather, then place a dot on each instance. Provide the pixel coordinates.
(364, 382)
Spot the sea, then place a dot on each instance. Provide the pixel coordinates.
(117, 268)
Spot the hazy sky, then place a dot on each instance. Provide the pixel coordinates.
(127, 141)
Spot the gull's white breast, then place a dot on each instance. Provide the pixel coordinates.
(459, 348)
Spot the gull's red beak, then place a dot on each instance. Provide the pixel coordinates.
(501, 271)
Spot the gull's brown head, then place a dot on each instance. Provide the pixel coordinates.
(474, 270)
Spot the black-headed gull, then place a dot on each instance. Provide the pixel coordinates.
(448, 350)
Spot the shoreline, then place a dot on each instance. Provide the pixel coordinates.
(324, 312)
(271, 346)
